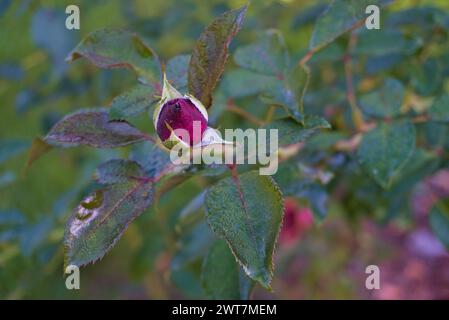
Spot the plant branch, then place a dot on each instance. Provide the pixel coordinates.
(248, 116)
(350, 92)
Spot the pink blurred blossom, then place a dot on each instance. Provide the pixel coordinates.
(297, 220)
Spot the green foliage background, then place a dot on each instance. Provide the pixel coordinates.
(161, 254)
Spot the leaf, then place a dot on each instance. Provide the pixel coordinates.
(119, 49)
(177, 69)
(33, 236)
(155, 161)
(289, 93)
(317, 198)
(11, 147)
(210, 54)
(102, 217)
(38, 148)
(294, 182)
(267, 56)
(192, 211)
(247, 212)
(292, 132)
(279, 84)
(235, 83)
(427, 78)
(192, 245)
(46, 32)
(386, 149)
(7, 178)
(380, 42)
(439, 110)
(11, 217)
(439, 222)
(384, 102)
(93, 128)
(339, 17)
(118, 170)
(222, 277)
(132, 103)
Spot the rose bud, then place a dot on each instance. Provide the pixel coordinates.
(178, 118)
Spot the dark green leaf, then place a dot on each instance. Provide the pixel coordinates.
(427, 78)
(118, 170)
(291, 132)
(155, 161)
(222, 277)
(177, 69)
(267, 56)
(279, 85)
(32, 236)
(379, 42)
(11, 217)
(247, 212)
(386, 149)
(235, 83)
(210, 54)
(289, 93)
(192, 245)
(384, 102)
(119, 49)
(339, 17)
(132, 103)
(102, 217)
(439, 111)
(7, 178)
(93, 128)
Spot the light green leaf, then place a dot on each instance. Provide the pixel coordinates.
(247, 212)
(385, 150)
(221, 275)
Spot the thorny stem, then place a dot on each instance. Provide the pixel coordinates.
(353, 142)
(307, 57)
(356, 114)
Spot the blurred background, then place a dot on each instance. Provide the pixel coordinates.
(160, 255)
